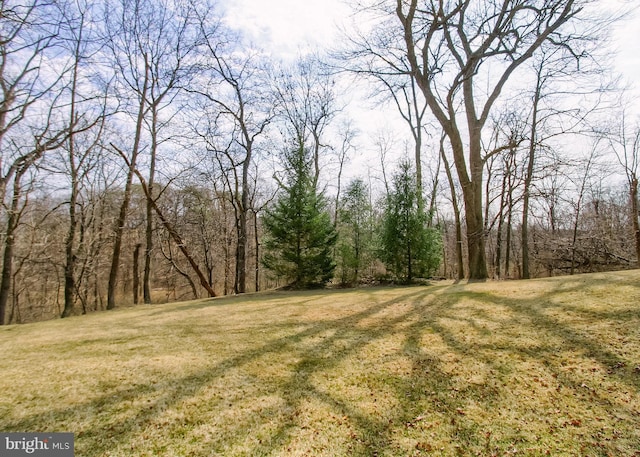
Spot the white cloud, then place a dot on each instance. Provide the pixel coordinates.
(287, 27)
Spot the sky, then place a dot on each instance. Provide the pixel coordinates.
(286, 27)
(626, 39)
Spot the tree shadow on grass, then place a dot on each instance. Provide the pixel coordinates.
(430, 409)
(118, 422)
(586, 380)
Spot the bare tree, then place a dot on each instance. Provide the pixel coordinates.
(462, 54)
(624, 139)
(307, 103)
(126, 41)
(87, 114)
(151, 44)
(168, 226)
(239, 110)
(398, 86)
(30, 105)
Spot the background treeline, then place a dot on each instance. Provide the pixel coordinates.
(149, 153)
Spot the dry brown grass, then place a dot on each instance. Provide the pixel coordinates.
(544, 367)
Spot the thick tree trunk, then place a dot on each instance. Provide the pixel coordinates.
(471, 182)
(13, 217)
(472, 193)
(241, 253)
(475, 238)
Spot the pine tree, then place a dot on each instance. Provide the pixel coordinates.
(410, 249)
(300, 235)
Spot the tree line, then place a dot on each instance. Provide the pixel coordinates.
(150, 153)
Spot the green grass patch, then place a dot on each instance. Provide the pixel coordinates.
(535, 368)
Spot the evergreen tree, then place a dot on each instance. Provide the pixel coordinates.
(300, 235)
(355, 226)
(410, 248)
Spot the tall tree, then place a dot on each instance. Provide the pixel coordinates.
(239, 110)
(462, 54)
(300, 235)
(126, 27)
(455, 41)
(151, 43)
(32, 78)
(81, 150)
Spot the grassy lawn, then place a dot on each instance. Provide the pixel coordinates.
(534, 368)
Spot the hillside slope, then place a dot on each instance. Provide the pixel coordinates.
(541, 367)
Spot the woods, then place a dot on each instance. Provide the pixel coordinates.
(150, 150)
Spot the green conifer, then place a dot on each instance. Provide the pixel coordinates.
(409, 248)
(300, 235)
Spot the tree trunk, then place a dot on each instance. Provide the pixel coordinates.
(69, 267)
(13, 217)
(471, 182)
(241, 253)
(409, 263)
(498, 259)
(635, 215)
(475, 237)
(526, 274)
(472, 192)
(257, 246)
(456, 213)
(146, 284)
(507, 255)
(136, 273)
(146, 280)
(122, 216)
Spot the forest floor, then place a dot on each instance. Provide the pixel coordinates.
(533, 368)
